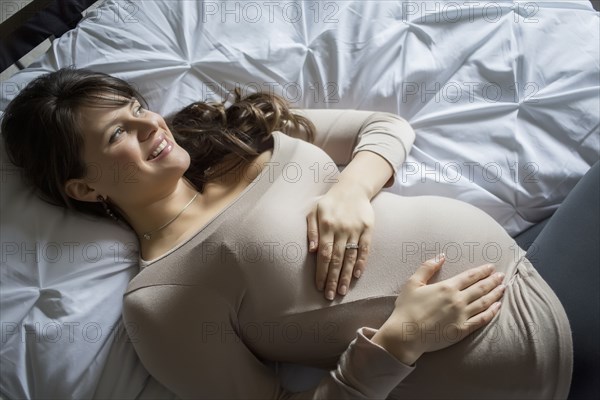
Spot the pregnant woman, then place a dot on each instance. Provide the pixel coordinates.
(226, 202)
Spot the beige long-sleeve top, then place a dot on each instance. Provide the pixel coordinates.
(204, 316)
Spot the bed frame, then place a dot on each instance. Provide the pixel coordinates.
(39, 20)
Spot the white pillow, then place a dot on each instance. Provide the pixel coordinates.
(62, 277)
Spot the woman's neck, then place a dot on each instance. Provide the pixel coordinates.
(216, 195)
(166, 215)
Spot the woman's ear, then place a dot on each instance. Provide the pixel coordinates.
(79, 190)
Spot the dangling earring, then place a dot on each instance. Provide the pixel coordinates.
(106, 207)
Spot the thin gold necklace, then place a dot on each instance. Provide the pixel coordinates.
(148, 235)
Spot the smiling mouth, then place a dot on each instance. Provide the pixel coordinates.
(158, 150)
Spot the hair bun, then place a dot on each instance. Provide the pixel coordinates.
(210, 131)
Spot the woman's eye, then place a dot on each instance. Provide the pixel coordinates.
(139, 110)
(116, 135)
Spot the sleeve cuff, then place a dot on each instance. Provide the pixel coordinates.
(389, 136)
(369, 368)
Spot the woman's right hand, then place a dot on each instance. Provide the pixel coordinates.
(432, 317)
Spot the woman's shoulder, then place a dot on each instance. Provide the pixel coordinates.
(299, 148)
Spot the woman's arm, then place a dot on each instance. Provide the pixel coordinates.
(372, 146)
(189, 340)
(368, 172)
(343, 134)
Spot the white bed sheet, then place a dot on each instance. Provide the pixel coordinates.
(503, 97)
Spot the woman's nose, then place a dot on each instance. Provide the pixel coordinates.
(147, 127)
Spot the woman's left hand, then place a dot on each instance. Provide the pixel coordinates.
(342, 216)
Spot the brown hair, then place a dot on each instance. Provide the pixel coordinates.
(42, 132)
(210, 132)
(43, 135)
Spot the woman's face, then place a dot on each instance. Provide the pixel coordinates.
(130, 154)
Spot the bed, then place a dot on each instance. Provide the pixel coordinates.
(503, 96)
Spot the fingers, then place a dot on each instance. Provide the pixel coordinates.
(471, 276)
(462, 304)
(482, 298)
(354, 260)
(363, 252)
(312, 231)
(485, 302)
(482, 287)
(349, 261)
(322, 236)
(337, 264)
(484, 294)
(462, 330)
(329, 230)
(341, 265)
(479, 320)
(323, 259)
(336, 261)
(426, 270)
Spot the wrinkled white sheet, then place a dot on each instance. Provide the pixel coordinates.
(503, 97)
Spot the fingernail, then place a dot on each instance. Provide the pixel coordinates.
(357, 273)
(343, 290)
(438, 258)
(312, 245)
(330, 295)
(500, 275)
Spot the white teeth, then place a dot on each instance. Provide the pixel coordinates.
(160, 148)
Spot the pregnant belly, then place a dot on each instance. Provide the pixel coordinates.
(298, 325)
(525, 352)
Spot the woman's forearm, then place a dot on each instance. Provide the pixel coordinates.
(367, 172)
